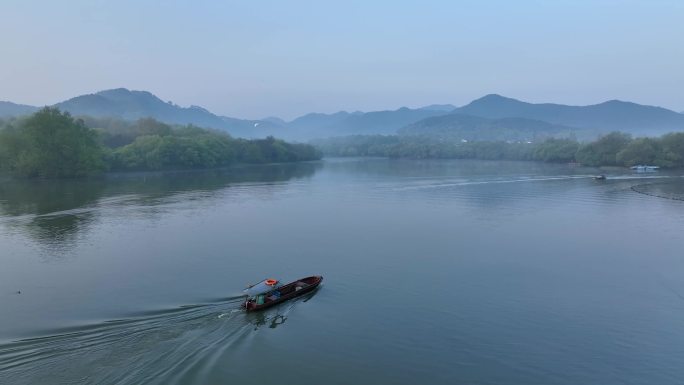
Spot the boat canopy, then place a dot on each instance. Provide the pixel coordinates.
(262, 287)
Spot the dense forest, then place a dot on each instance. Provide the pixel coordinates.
(53, 144)
(614, 149)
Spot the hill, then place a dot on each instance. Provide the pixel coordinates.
(613, 115)
(9, 109)
(439, 107)
(132, 105)
(317, 125)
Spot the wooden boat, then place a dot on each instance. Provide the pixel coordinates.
(282, 293)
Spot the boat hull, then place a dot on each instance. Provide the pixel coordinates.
(290, 291)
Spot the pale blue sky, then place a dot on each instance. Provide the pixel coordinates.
(256, 58)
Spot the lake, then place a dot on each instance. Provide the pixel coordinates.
(436, 271)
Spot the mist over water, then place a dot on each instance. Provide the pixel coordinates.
(435, 271)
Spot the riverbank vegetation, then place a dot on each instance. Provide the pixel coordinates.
(53, 144)
(613, 149)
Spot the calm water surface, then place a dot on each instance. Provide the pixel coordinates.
(453, 272)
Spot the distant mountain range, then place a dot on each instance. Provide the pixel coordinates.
(131, 105)
(608, 116)
(489, 115)
(376, 122)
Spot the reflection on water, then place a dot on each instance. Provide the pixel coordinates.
(55, 212)
(174, 346)
(50, 212)
(436, 272)
(277, 315)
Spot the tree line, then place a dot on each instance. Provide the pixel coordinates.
(613, 149)
(53, 144)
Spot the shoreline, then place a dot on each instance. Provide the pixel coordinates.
(132, 173)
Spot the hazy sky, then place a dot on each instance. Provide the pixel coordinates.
(255, 58)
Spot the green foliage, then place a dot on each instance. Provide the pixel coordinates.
(155, 152)
(418, 147)
(642, 151)
(358, 145)
(603, 152)
(53, 144)
(190, 147)
(673, 149)
(116, 133)
(614, 149)
(272, 150)
(50, 144)
(556, 150)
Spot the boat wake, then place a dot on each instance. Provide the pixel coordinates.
(490, 181)
(171, 346)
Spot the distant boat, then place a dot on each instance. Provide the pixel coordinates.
(600, 177)
(644, 168)
(268, 292)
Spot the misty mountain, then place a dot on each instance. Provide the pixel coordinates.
(344, 123)
(126, 104)
(132, 105)
(8, 109)
(315, 120)
(274, 120)
(601, 118)
(385, 122)
(250, 128)
(475, 128)
(613, 115)
(439, 107)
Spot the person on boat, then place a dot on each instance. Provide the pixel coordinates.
(299, 285)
